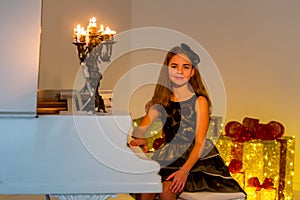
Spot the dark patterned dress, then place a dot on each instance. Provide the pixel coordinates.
(210, 172)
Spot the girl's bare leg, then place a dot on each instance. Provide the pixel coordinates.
(145, 196)
(166, 193)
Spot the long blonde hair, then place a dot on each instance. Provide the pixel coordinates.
(163, 89)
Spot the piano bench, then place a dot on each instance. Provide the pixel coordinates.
(211, 196)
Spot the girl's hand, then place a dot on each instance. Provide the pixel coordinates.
(179, 180)
(140, 142)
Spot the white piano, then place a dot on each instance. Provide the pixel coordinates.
(66, 156)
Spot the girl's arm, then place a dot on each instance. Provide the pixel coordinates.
(202, 110)
(202, 123)
(139, 132)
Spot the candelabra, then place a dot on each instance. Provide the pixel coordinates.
(93, 47)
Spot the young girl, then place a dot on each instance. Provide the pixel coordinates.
(189, 161)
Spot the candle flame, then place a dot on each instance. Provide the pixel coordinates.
(79, 30)
(93, 22)
(101, 28)
(108, 31)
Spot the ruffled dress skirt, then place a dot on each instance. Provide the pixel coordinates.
(209, 173)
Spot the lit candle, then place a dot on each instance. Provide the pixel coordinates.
(101, 30)
(82, 35)
(92, 28)
(93, 22)
(77, 33)
(108, 34)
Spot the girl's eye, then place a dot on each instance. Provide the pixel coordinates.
(187, 66)
(173, 66)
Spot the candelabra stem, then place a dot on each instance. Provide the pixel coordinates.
(90, 56)
(96, 103)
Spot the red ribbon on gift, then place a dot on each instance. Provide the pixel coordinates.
(251, 129)
(254, 182)
(267, 184)
(235, 166)
(282, 168)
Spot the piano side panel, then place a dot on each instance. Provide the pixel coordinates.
(51, 154)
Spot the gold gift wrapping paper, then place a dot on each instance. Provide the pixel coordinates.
(262, 159)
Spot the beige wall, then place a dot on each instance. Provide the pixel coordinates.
(59, 62)
(255, 45)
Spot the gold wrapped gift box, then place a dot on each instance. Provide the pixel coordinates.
(262, 159)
